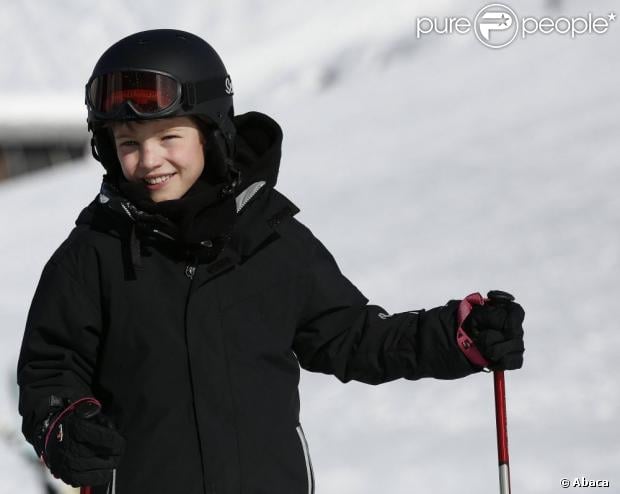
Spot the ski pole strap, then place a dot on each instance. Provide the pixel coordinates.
(464, 342)
(70, 408)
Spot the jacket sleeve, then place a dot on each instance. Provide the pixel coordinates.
(59, 347)
(341, 334)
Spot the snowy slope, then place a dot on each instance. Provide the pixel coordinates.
(430, 169)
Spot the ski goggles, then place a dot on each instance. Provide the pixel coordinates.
(149, 94)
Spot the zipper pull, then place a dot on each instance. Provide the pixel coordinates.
(189, 271)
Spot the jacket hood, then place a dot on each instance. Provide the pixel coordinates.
(258, 148)
(257, 155)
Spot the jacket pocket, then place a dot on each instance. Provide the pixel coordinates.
(304, 446)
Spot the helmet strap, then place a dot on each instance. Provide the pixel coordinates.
(104, 151)
(219, 162)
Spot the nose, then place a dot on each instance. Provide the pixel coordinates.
(150, 157)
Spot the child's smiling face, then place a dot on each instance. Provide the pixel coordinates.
(170, 148)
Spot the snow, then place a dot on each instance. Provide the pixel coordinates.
(430, 168)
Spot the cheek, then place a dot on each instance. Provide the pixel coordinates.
(199, 160)
(128, 164)
(193, 160)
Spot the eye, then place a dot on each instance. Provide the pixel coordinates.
(128, 143)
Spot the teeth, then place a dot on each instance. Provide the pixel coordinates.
(158, 180)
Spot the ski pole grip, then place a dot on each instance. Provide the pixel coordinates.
(500, 297)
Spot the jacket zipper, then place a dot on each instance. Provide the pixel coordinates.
(190, 271)
(309, 470)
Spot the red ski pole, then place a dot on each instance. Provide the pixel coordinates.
(467, 346)
(502, 431)
(111, 486)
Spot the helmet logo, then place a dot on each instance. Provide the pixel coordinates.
(229, 86)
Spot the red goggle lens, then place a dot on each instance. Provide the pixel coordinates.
(148, 92)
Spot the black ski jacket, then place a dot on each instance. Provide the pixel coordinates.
(197, 363)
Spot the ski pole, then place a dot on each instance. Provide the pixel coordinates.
(502, 433)
(496, 297)
(110, 490)
(499, 385)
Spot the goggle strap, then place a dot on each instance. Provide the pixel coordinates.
(206, 90)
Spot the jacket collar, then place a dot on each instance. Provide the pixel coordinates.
(260, 208)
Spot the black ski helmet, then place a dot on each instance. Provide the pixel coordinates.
(157, 74)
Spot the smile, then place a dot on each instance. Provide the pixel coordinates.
(158, 180)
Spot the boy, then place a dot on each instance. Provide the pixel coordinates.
(163, 344)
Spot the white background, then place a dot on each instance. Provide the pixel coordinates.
(430, 168)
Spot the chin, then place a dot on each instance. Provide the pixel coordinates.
(164, 197)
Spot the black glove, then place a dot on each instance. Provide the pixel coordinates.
(80, 445)
(496, 329)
